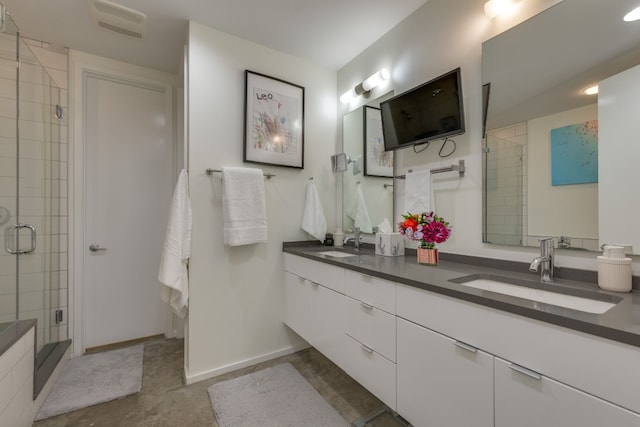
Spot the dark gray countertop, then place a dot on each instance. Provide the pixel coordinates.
(620, 323)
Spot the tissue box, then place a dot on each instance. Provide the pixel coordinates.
(389, 244)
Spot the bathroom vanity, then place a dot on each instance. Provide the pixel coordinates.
(444, 354)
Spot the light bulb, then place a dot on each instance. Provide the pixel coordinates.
(348, 96)
(375, 79)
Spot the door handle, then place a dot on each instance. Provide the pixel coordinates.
(94, 247)
(19, 251)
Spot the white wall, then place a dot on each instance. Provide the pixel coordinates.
(438, 37)
(235, 306)
(618, 105)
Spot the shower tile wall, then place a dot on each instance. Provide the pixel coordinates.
(506, 184)
(43, 275)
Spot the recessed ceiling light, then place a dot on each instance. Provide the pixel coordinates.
(634, 15)
(591, 90)
(494, 8)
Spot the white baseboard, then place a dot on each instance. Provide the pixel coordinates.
(191, 379)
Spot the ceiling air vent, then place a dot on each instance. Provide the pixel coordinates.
(118, 18)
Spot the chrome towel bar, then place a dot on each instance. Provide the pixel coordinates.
(212, 171)
(460, 168)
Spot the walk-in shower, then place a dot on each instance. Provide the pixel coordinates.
(33, 199)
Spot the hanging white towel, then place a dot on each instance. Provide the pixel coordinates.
(358, 211)
(173, 273)
(243, 205)
(417, 192)
(313, 219)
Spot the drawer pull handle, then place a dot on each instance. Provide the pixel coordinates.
(365, 305)
(366, 348)
(366, 276)
(302, 279)
(525, 371)
(465, 346)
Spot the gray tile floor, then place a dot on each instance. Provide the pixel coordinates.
(165, 401)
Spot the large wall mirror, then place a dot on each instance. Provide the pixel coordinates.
(541, 157)
(367, 184)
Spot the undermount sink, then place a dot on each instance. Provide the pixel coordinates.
(336, 254)
(559, 297)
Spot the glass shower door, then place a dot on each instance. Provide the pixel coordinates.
(8, 169)
(41, 183)
(33, 199)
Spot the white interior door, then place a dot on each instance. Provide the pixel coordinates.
(128, 185)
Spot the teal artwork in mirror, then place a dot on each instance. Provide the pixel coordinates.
(574, 154)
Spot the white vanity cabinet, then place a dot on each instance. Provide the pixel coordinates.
(542, 388)
(441, 381)
(371, 332)
(313, 309)
(442, 361)
(528, 399)
(348, 317)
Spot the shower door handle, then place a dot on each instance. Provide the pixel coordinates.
(94, 247)
(17, 228)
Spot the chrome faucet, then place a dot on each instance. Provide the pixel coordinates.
(545, 259)
(355, 237)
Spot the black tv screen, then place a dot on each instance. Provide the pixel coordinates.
(433, 110)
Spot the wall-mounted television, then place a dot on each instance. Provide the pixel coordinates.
(433, 110)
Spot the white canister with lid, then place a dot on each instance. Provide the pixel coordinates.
(614, 270)
(338, 238)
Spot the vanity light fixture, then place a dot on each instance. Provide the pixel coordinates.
(591, 90)
(366, 86)
(493, 8)
(634, 15)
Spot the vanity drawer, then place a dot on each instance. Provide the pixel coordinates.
(372, 371)
(372, 327)
(371, 290)
(318, 272)
(601, 367)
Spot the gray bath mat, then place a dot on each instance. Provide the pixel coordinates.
(95, 378)
(274, 397)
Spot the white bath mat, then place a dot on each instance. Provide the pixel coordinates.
(274, 397)
(95, 378)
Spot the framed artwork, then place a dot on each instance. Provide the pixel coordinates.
(574, 154)
(377, 162)
(273, 121)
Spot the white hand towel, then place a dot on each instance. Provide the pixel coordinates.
(173, 274)
(358, 211)
(417, 192)
(313, 220)
(243, 205)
